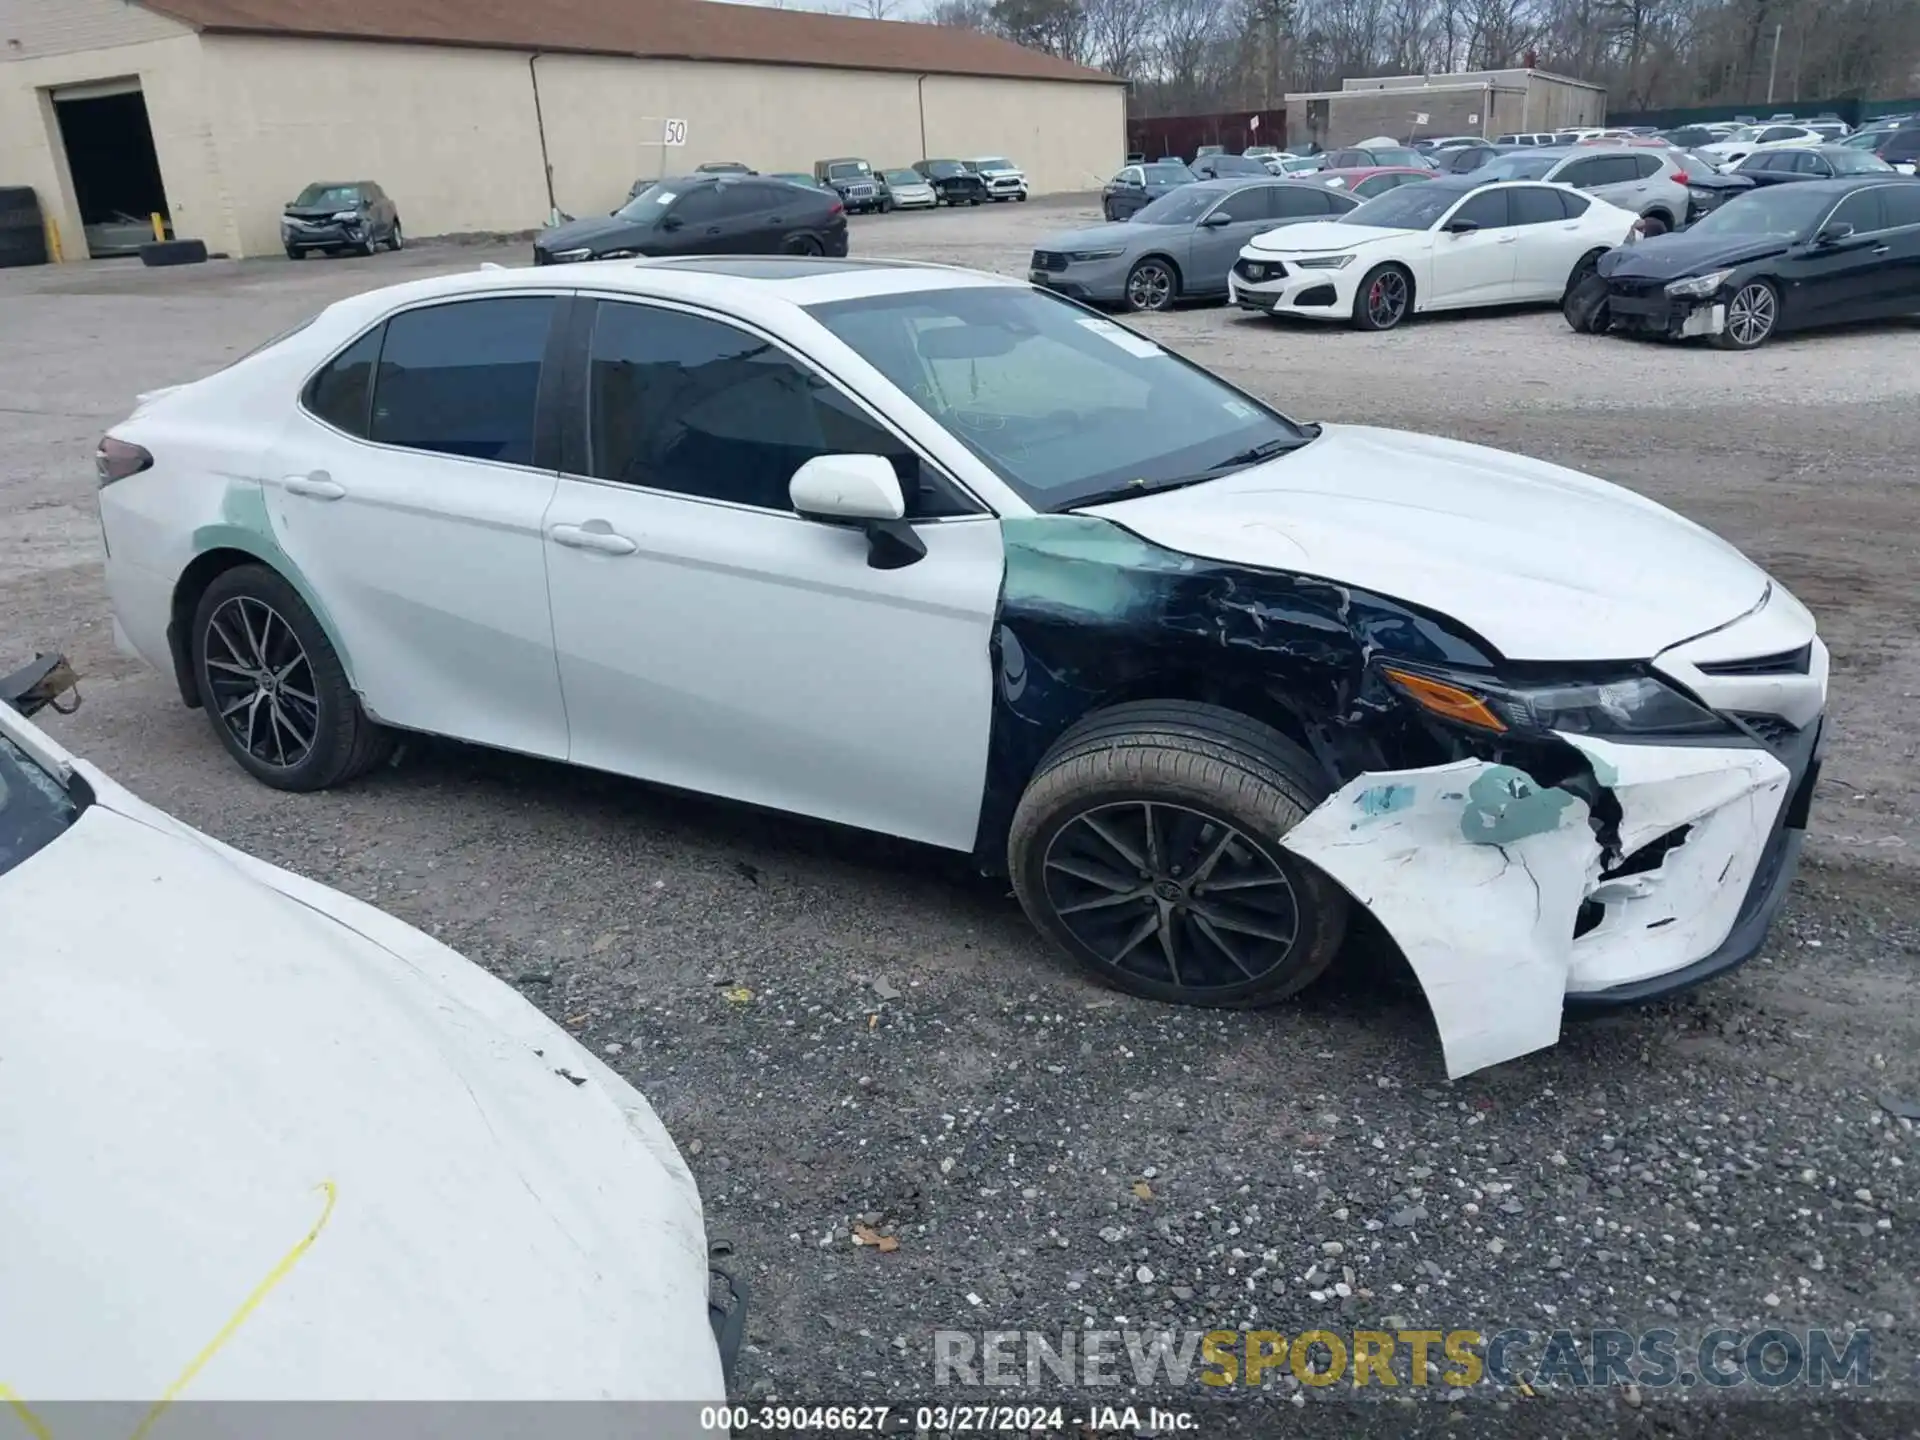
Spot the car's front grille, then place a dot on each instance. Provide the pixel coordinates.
(1258, 270)
(1785, 662)
(1772, 729)
(1049, 260)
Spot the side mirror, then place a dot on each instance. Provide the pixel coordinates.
(859, 489)
(671, 222)
(1834, 235)
(1461, 227)
(1217, 220)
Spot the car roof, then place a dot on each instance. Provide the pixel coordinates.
(1842, 184)
(1362, 171)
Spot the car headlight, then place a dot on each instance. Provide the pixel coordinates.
(345, 217)
(618, 255)
(1094, 254)
(1324, 262)
(1631, 705)
(1699, 284)
(580, 254)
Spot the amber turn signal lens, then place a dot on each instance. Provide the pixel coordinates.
(1449, 702)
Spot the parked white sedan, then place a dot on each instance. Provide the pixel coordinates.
(944, 556)
(265, 1142)
(1447, 244)
(1732, 149)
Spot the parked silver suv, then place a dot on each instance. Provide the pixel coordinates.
(1648, 181)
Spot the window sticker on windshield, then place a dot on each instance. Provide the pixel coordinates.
(1239, 409)
(1128, 341)
(665, 197)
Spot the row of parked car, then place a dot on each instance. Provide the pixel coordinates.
(1626, 233)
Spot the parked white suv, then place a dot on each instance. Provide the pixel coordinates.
(1005, 180)
(1651, 183)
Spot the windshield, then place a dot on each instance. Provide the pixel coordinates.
(995, 163)
(1410, 207)
(649, 205)
(34, 810)
(1785, 210)
(1061, 404)
(1520, 167)
(903, 177)
(1742, 136)
(1177, 207)
(1410, 158)
(1236, 165)
(335, 197)
(848, 170)
(1167, 174)
(944, 169)
(1697, 162)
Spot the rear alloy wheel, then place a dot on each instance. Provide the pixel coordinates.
(274, 688)
(1145, 848)
(1151, 285)
(804, 245)
(1752, 314)
(1383, 299)
(397, 241)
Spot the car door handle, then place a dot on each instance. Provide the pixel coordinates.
(316, 485)
(1506, 239)
(1880, 250)
(594, 535)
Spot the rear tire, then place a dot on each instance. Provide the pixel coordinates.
(397, 241)
(254, 644)
(1146, 847)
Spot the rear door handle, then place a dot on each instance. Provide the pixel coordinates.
(1881, 249)
(594, 535)
(316, 485)
(1507, 239)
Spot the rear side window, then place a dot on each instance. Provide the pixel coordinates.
(1290, 202)
(464, 379)
(1574, 205)
(1536, 205)
(1901, 204)
(339, 393)
(1648, 165)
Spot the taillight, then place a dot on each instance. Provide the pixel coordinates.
(836, 208)
(1680, 177)
(116, 460)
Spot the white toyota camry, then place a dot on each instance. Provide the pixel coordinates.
(940, 555)
(265, 1142)
(1446, 244)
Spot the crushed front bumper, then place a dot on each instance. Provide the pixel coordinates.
(323, 236)
(1660, 314)
(1512, 903)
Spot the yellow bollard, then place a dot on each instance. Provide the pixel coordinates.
(54, 252)
(159, 226)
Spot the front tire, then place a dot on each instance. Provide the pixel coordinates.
(1146, 847)
(397, 241)
(274, 688)
(1753, 313)
(1152, 285)
(1384, 298)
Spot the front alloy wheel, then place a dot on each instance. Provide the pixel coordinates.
(1151, 286)
(1752, 314)
(1383, 299)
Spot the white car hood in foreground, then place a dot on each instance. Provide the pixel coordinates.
(209, 1063)
(1542, 562)
(1317, 235)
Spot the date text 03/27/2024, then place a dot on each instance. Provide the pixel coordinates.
(943, 1419)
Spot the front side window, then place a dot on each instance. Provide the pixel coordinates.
(1487, 210)
(699, 205)
(1061, 404)
(1861, 210)
(340, 393)
(464, 378)
(1783, 210)
(1242, 205)
(697, 407)
(34, 809)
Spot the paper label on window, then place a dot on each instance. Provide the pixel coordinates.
(1123, 337)
(1239, 409)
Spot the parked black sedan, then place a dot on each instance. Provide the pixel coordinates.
(953, 183)
(1138, 186)
(1786, 257)
(705, 215)
(337, 216)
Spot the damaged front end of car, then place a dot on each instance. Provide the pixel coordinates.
(1533, 838)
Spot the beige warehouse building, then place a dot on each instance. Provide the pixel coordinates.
(483, 115)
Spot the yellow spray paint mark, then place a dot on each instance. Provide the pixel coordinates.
(38, 1427)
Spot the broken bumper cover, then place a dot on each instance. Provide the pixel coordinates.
(1659, 313)
(1509, 909)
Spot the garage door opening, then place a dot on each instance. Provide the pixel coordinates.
(116, 174)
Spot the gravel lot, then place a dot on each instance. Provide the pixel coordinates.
(1055, 1158)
